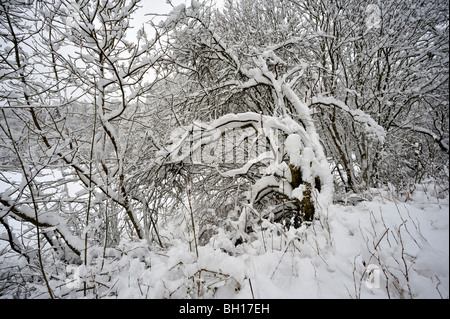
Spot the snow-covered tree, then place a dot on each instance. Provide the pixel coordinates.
(226, 66)
(393, 70)
(72, 85)
(213, 123)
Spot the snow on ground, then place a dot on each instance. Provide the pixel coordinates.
(405, 245)
(380, 248)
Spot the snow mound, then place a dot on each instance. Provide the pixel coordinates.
(382, 248)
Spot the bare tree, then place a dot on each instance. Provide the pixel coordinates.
(229, 69)
(72, 85)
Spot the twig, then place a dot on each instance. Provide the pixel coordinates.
(251, 288)
(385, 232)
(276, 268)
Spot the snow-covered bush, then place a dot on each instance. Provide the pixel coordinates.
(289, 161)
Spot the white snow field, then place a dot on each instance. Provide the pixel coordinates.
(405, 244)
(382, 247)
